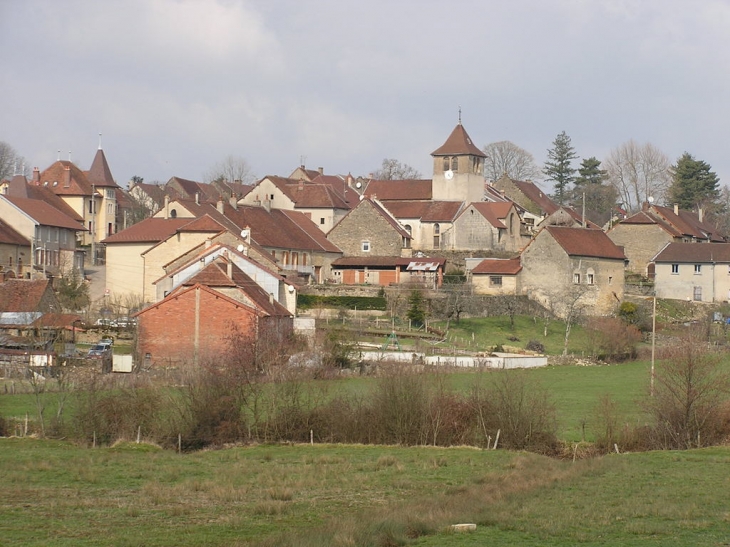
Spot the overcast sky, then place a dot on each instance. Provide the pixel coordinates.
(175, 86)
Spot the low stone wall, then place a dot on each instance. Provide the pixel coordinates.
(499, 361)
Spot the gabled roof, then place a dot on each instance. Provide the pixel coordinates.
(9, 236)
(426, 211)
(150, 230)
(202, 224)
(215, 275)
(458, 144)
(190, 188)
(500, 266)
(155, 192)
(585, 242)
(490, 211)
(410, 189)
(383, 212)
(23, 295)
(310, 195)
(694, 253)
(683, 223)
(43, 213)
(537, 196)
(99, 174)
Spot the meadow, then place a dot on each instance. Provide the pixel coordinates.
(56, 494)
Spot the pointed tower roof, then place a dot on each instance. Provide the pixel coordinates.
(100, 174)
(458, 144)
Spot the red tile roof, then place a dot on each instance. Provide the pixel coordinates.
(150, 230)
(509, 266)
(10, 236)
(65, 179)
(459, 143)
(537, 196)
(695, 253)
(44, 214)
(386, 190)
(23, 295)
(585, 242)
(310, 195)
(490, 212)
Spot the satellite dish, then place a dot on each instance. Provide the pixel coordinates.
(240, 248)
(651, 199)
(244, 234)
(291, 288)
(358, 184)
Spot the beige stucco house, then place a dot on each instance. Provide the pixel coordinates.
(691, 271)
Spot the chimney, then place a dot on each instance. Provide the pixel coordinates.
(267, 205)
(676, 208)
(271, 298)
(167, 206)
(321, 170)
(197, 198)
(66, 176)
(301, 185)
(208, 243)
(233, 201)
(247, 239)
(700, 214)
(229, 269)
(36, 176)
(645, 206)
(219, 206)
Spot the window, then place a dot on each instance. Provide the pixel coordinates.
(321, 220)
(610, 280)
(446, 163)
(110, 193)
(436, 238)
(495, 280)
(91, 206)
(454, 164)
(271, 197)
(698, 269)
(698, 294)
(576, 278)
(589, 278)
(675, 268)
(365, 247)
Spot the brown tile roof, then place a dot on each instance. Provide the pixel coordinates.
(58, 320)
(156, 192)
(45, 194)
(489, 212)
(458, 143)
(585, 242)
(386, 190)
(340, 185)
(310, 195)
(44, 214)
(686, 222)
(10, 236)
(150, 230)
(383, 212)
(427, 211)
(99, 174)
(695, 253)
(23, 295)
(202, 224)
(65, 179)
(537, 196)
(509, 266)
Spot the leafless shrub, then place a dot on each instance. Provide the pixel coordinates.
(690, 390)
(611, 338)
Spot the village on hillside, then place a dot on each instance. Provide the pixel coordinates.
(187, 263)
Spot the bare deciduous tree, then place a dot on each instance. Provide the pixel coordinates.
(392, 169)
(11, 162)
(231, 169)
(638, 171)
(505, 157)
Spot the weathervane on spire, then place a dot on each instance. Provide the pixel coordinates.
(99, 141)
(459, 114)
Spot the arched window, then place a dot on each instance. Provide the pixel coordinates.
(454, 164)
(436, 236)
(447, 163)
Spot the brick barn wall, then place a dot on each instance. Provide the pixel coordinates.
(167, 330)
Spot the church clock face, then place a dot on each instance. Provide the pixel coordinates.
(449, 174)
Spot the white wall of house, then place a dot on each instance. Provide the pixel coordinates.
(701, 282)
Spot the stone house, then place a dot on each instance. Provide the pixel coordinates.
(691, 271)
(563, 266)
(425, 221)
(214, 306)
(494, 226)
(370, 230)
(496, 276)
(645, 233)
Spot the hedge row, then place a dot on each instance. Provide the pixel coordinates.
(308, 301)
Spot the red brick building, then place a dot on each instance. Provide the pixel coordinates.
(194, 323)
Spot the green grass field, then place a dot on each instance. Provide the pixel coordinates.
(55, 494)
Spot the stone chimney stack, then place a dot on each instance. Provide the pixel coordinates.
(167, 206)
(36, 176)
(219, 206)
(197, 198)
(66, 176)
(676, 208)
(321, 170)
(700, 214)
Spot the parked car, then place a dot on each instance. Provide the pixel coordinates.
(97, 351)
